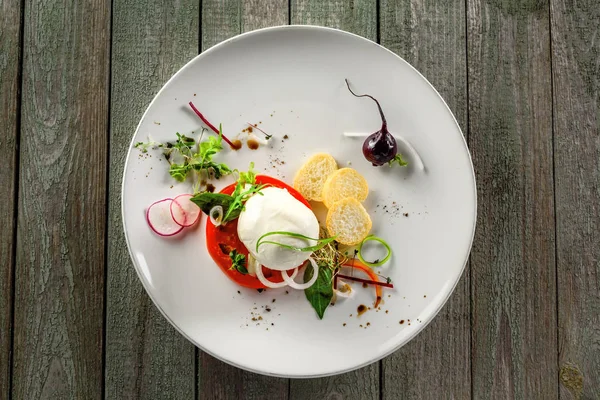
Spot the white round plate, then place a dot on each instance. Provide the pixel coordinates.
(290, 80)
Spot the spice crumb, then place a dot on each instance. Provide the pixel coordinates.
(267, 309)
(368, 324)
(272, 324)
(344, 324)
(424, 295)
(405, 214)
(387, 311)
(361, 325)
(273, 301)
(239, 292)
(401, 321)
(286, 137)
(260, 318)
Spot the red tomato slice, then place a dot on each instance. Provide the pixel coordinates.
(221, 240)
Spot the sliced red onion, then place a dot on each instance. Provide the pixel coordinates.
(160, 220)
(301, 286)
(184, 211)
(216, 215)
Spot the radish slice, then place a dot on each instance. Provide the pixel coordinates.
(183, 211)
(159, 218)
(301, 286)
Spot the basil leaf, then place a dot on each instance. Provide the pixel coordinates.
(206, 201)
(319, 295)
(237, 262)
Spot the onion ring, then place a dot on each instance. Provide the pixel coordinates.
(301, 286)
(216, 220)
(273, 285)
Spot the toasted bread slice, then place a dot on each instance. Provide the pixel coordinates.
(349, 221)
(310, 178)
(343, 183)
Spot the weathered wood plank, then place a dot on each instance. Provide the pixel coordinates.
(431, 35)
(145, 356)
(576, 79)
(358, 17)
(10, 54)
(222, 20)
(513, 291)
(59, 276)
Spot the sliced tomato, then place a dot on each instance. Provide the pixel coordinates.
(221, 240)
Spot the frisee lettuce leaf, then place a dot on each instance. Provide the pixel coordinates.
(188, 157)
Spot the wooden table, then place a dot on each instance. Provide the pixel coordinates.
(522, 78)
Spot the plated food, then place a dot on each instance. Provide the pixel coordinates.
(298, 96)
(262, 233)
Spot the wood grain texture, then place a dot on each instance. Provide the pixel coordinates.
(59, 276)
(576, 78)
(356, 16)
(360, 17)
(146, 357)
(431, 35)
(220, 21)
(514, 344)
(220, 381)
(10, 54)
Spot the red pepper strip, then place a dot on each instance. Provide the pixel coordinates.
(360, 266)
(207, 122)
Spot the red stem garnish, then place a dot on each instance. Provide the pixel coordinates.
(352, 278)
(211, 126)
(267, 136)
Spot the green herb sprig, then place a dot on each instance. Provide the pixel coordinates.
(320, 242)
(238, 262)
(196, 156)
(398, 159)
(232, 204)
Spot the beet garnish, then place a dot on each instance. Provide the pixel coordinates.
(380, 147)
(211, 126)
(352, 278)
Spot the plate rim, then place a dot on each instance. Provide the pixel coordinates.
(143, 280)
